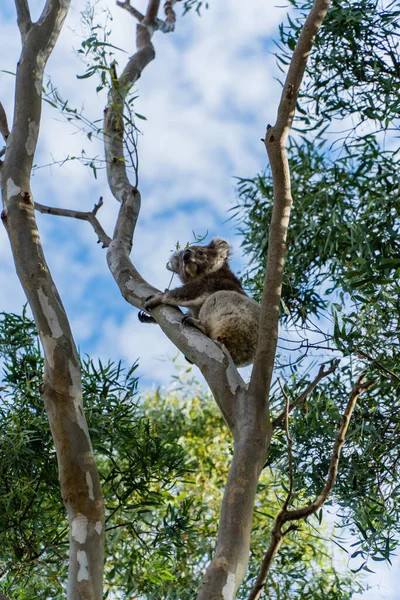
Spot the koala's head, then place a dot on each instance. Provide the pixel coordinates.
(196, 261)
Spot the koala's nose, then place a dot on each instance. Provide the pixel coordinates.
(186, 255)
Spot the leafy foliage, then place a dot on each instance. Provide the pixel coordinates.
(163, 463)
(354, 68)
(341, 292)
(139, 462)
(343, 231)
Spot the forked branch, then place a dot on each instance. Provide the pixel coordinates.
(165, 26)
(223, 378)
(278, 533)
(23, 17)
(89, 216)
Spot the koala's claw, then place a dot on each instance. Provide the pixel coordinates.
(145, 318)
(149, 302)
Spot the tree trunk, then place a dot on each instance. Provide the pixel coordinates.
(61, 388)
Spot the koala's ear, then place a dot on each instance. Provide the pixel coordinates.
(173, 263)
(221, 246)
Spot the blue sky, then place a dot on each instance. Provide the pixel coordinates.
(207, 97)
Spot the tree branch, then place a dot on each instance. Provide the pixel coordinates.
(165, 26)
(303, 396)
(23, 17)
(278, 535)
(131, 9)
(306, 511)
(170, 15)
(152, 12)
(275, 143)
(378, 364)
(89, 216)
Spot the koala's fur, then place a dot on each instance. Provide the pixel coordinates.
(218, 305)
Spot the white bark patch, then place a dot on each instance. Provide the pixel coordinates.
(11, 189)
(30, 144)
(98, 527)
(49, 345)
(51, 315)
(89, 482)
(83, 573)
(75, 391)
(228, 590)
(42, 55)
(79, 527)
(41, 59)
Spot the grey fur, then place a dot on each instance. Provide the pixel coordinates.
(218, 305)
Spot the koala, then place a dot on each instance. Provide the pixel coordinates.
(218, 305)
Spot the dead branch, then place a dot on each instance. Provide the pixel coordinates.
(304, 395)
(278, 534)
(89, 216)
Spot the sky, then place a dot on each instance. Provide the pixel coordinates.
(207, 99)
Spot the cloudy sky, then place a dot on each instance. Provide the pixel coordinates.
(207, 98)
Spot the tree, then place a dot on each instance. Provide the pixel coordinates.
(252, 430)
(159, 458)
(342, 264)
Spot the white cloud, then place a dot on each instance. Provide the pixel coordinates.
(207, 98)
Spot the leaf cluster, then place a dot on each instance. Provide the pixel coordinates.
(139, 461)
(354, 68)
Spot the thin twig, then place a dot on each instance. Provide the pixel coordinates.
(170, 19)
(358, 389)
(378, 364)
(303, 396)
(131, 9)
(89, 216)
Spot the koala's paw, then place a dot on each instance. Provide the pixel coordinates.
(153, 301)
